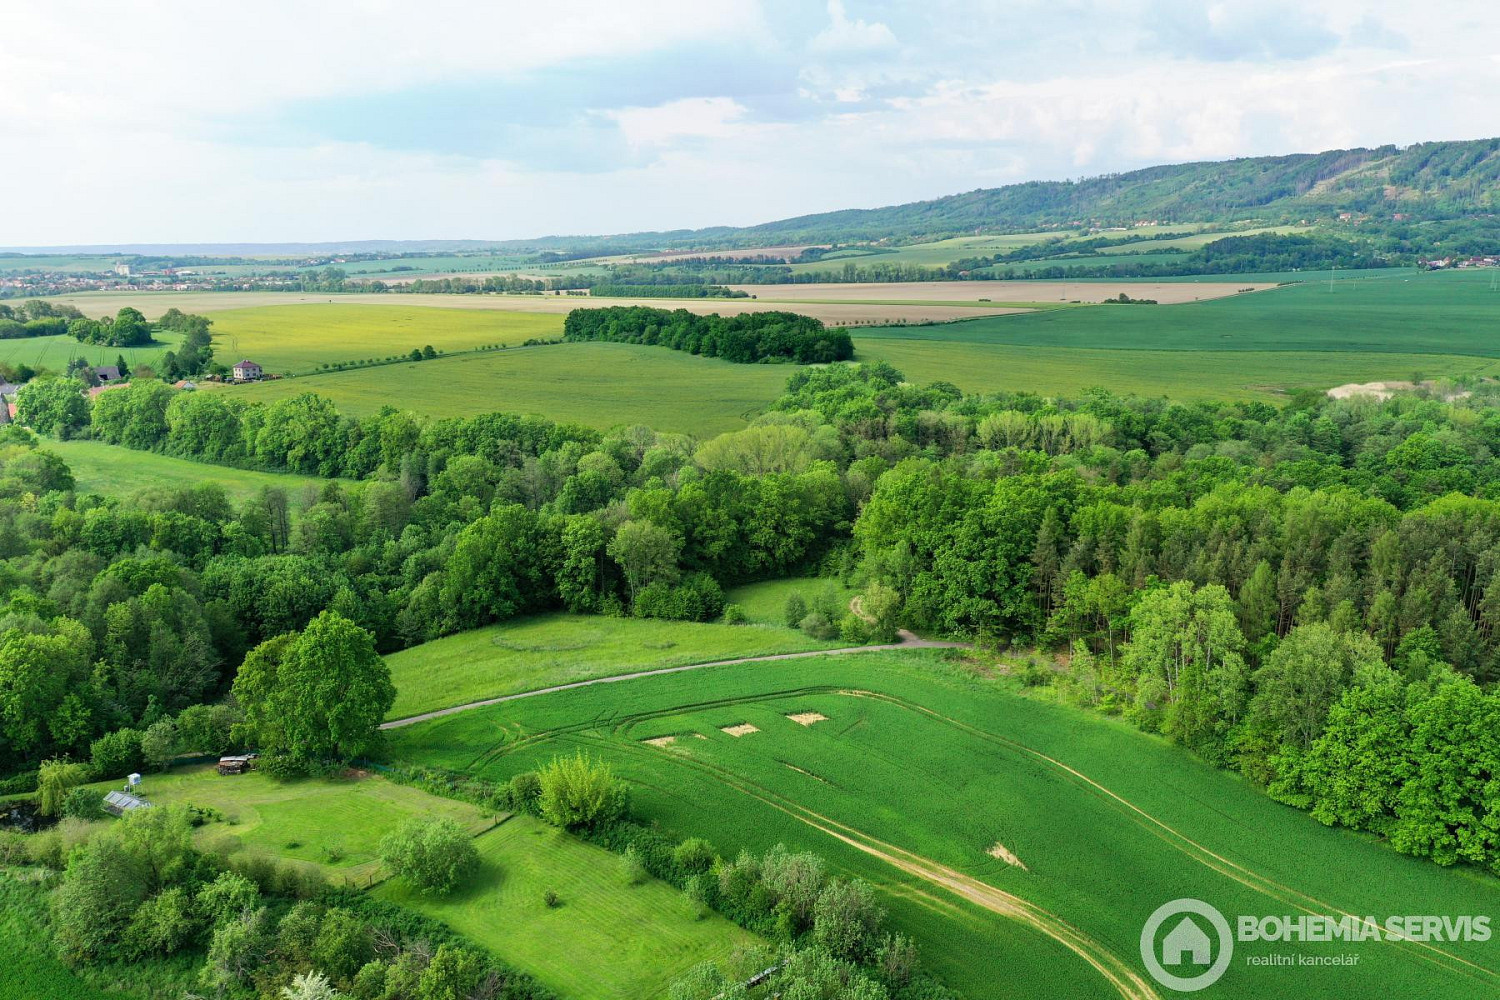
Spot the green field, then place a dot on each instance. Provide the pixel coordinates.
(1376, 325)
(114, 470)
(609, 940)
(533, 653)
(923, 766)
(54, 353)
(303, 820)
(32, 969)
(596, 384)
(300, 338)
(765, 602)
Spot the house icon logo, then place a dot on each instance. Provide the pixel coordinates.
(1192, 940)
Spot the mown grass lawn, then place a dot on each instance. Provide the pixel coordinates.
(609, 940)
(113, 470)
(531, 653)
(335, 823)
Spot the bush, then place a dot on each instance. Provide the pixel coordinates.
(431, 855)
(578, 791)
(83, 803)
(694, 856)
(552, 900)
(19, 784)
(853, 630)
(846, 920)
(795, 610)
(523, 792)
(818, 626)
(734, 614)
(159, 744)
(117, 754)
(698, 598)
(633, 866)
(54, 780)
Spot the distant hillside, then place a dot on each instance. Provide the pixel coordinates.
(1433, 180)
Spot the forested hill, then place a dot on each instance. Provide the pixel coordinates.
(1434, 179)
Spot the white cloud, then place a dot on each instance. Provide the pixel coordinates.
(845, 36)
(130, 125)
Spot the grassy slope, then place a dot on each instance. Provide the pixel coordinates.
(118, 471)
(949, 790)
(608, 940)
(300, 338)
(600, 385)
(270, 816)
(765, 602)
(54, 353)
(539, 652)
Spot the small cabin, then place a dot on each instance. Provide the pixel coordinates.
(236, 764)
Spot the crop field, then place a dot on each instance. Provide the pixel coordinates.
(1022, 843)
(533, 653)
(299, 339)
(1394, 323)
(54, 353)
(32, 968)
(980, 292)
(334, 823)
(596, 384)
(113, 470)
(608, 940)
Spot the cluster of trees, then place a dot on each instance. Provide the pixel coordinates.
(195, 355)
(128, 329)
(139, 891)
(746, 339)
(35, 318)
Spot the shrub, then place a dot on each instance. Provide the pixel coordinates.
(853, 630)
(846, 919)
(523, 792)
(818, 626)
(694, 856)
(578, 791)
(83, 803)
(54, 779)
(633, 866)
(431, 855)
(117, 754)
(552, 900)
(795, 610)
(734, 614)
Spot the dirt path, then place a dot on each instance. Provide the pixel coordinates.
(908, 641)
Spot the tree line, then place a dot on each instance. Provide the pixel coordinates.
(745, 339)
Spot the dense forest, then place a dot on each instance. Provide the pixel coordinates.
(745, 339)
(1307, 594)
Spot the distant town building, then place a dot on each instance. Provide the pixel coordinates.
(247, 371)
(123, 270)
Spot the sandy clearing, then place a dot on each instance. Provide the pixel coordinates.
(834, 312)
(1005, 854)
(1385, 390)
(808, 718)
(1166, 292)
(743, 729)
(661, 741)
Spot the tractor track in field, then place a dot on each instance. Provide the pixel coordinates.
(965, 886)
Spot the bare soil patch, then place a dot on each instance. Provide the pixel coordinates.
(743, 729)
(1385, 390)
(808, 718)
(660, 741)
(979, 292)
(1007, 855)
(799, 770)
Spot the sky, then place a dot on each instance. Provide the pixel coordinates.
(281, 121)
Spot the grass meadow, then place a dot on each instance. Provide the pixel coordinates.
(608, 940)
(597, 384)
(531, 653)
(924, 765)
(113, 470)
(334, 823)
(765, 603)
(32, 968)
